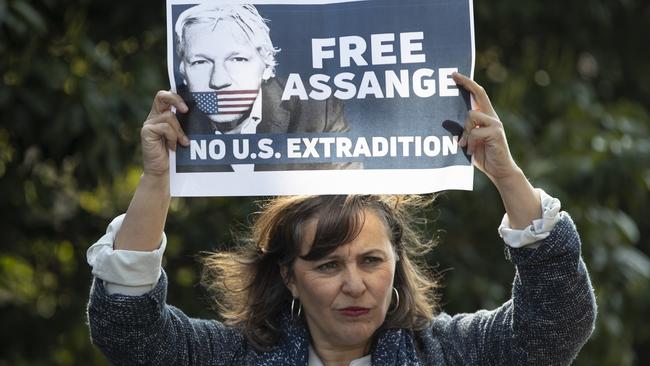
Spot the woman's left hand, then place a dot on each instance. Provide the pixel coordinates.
(484, 137)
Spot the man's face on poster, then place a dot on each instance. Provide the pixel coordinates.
(220, 58)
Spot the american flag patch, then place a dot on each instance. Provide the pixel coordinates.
(225, 101)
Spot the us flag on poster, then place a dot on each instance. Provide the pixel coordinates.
(225, 101)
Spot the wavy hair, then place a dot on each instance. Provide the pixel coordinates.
(247, 285)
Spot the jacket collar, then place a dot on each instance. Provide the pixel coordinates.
(393, 347)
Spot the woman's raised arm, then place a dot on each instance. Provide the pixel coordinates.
(145, 218)
(485, 140)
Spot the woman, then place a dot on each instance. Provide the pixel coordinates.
(336, 280)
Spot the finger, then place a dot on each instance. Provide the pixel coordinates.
(477, 119)
(161, 132)
(164, 100)
(477, 91)
(480, 119)
(480, 136)
(170, 118)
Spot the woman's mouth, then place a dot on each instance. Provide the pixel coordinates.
(354, 311)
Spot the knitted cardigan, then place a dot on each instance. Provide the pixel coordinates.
(550, 315)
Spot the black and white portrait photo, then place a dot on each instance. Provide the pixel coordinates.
(227, 65)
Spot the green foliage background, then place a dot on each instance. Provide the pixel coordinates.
(570, 80)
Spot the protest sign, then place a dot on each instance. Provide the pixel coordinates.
(320, 97)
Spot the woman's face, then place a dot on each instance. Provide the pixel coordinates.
(345, 295)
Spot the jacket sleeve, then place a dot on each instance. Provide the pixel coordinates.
(145, 330)
(550, 316)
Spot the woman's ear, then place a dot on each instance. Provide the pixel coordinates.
(287, 278)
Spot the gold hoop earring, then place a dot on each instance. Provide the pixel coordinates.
(396, 301)
(293, 304)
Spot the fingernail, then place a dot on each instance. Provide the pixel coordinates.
(184, 108)
(185, 141)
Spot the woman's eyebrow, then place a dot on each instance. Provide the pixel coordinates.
(331, 256)
(338, 257)
(373, 252)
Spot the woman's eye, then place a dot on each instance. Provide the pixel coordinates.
(329, 266)
(239, 59)
(372, 260)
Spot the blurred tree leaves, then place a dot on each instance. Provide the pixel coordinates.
(570, 81)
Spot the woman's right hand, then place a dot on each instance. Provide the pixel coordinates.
(145, 219)
(161, 131)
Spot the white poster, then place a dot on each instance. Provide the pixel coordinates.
(320, 97)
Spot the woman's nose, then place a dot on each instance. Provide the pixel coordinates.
(353, 283)
(219, 78)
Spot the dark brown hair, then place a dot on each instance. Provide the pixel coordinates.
(247, 284)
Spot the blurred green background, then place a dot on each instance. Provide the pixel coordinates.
(570, 80)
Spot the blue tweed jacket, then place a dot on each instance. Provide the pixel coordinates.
(549, 317)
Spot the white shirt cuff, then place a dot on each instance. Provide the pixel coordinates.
(530, 236)
(125, 272)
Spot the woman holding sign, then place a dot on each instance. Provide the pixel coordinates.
(338, 280)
